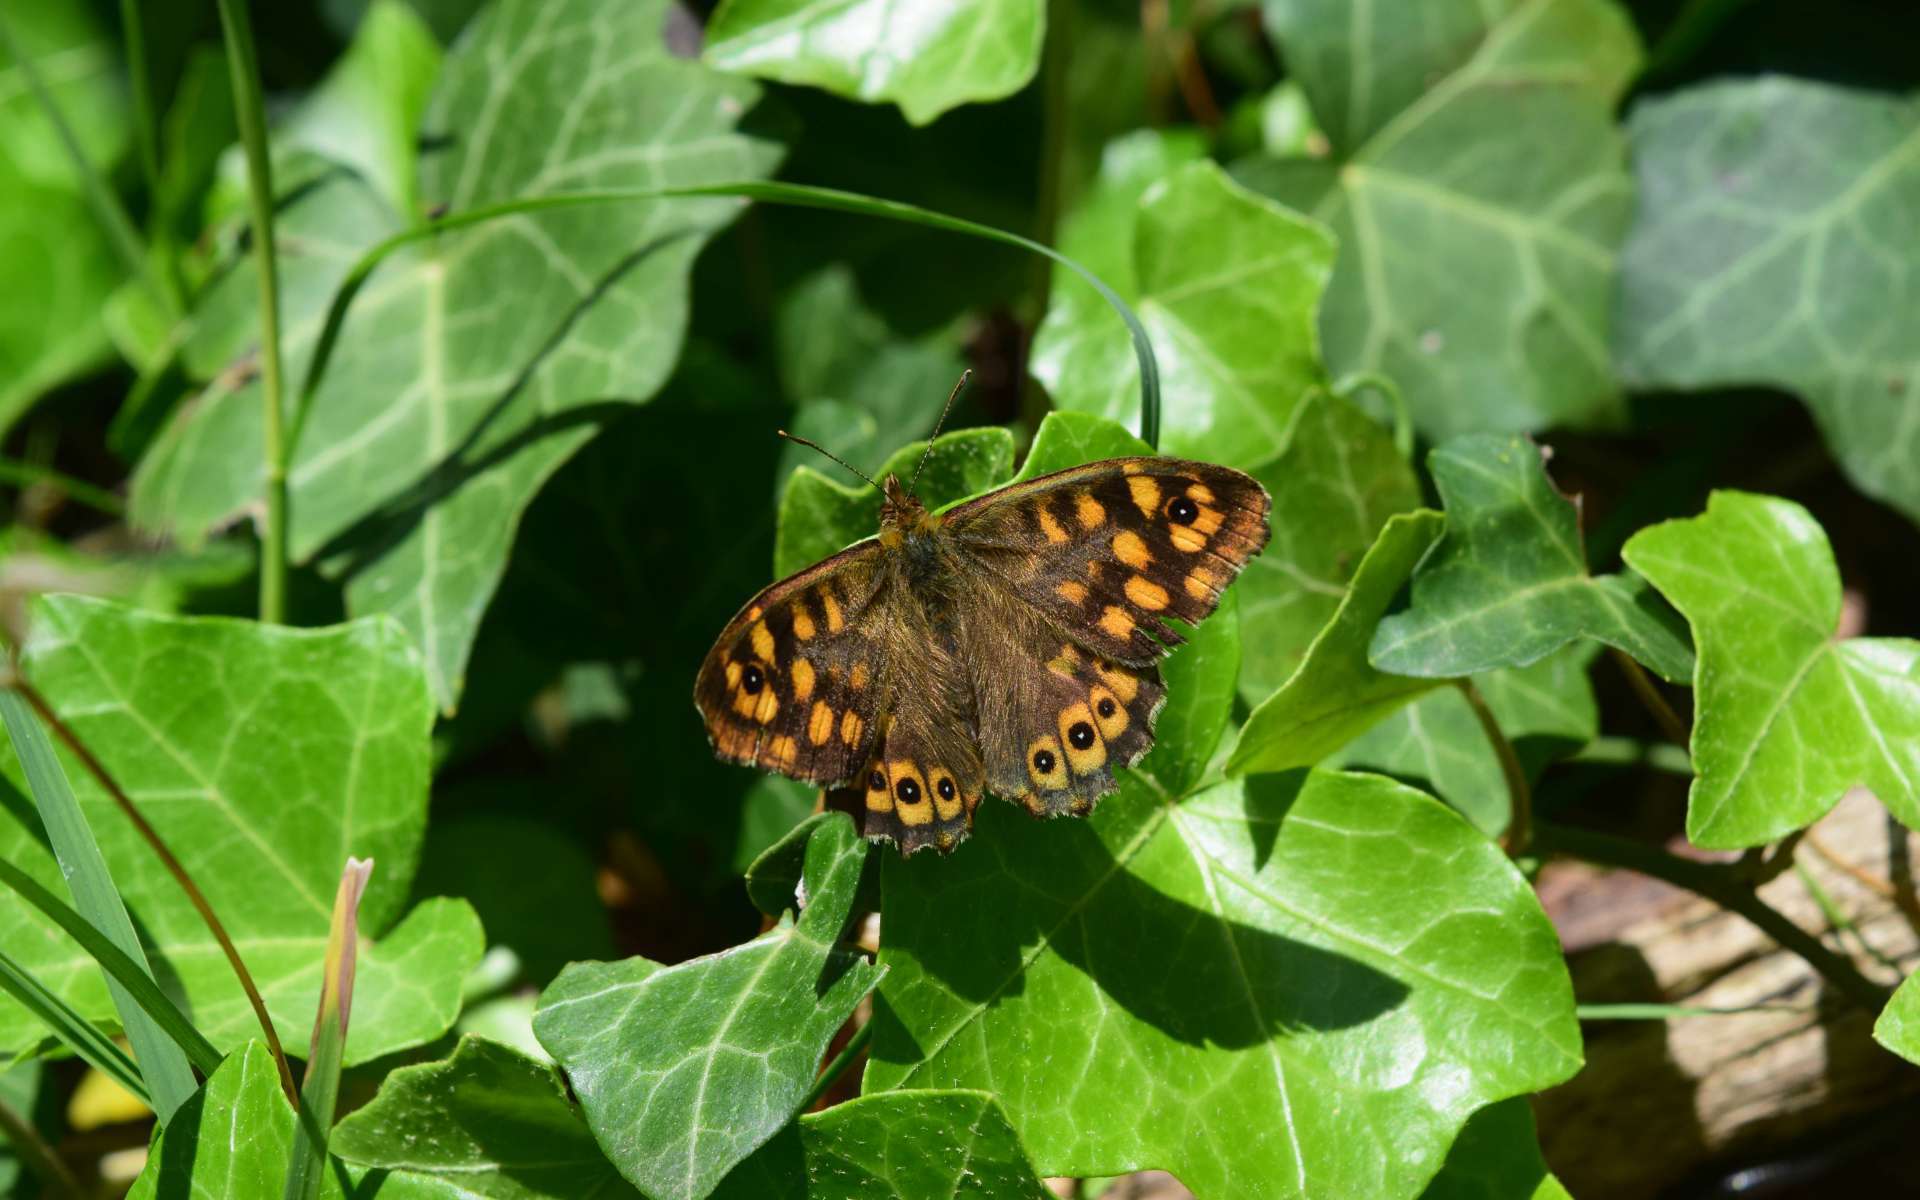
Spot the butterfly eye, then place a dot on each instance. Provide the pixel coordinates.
(876, 782)
(908, 791)
(753, 679)
(1080, 736)
(1183, 511)
(1106, 707)
(1043, 761)
(945, 788)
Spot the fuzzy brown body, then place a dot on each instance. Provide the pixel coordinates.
(1009, 644)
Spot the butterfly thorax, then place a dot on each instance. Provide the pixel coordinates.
(904, 521)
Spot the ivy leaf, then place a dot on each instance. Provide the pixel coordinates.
(231, 1139)
(1508, 584)
(1497, 1157)
(686, 1070)
(489, 1121)
(1898, 1028)
(1771, 244)
(1318, 963)
(926, 56)
(264, 756)
(929, 1145)
(820, 516)
(1334, 486)
(1336, 695)
(1226, 283)
(444, 409)
(1786, 716)
(1546, 710)
(1506, 170)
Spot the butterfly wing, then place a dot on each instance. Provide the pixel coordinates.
(798, 680)
(924, 776)
(1109, 551)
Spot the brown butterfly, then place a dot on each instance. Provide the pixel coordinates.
(1009, 643)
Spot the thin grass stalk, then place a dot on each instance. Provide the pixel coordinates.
(250, 113)
(73, 1030)
(35, 1154)
(14, 471)
(320, 1090)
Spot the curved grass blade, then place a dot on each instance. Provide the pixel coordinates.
(80, 1035)
(320, 1089)
(792, 194)
(162, 1063)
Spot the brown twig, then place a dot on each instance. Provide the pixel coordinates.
(1901, 900)
(1520, 821)
(1669, 721)
(174, 867)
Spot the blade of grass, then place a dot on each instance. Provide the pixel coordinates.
(251, 114)
(78, 1034)
(162, 1062)
(321, 1088)
(791, 194)
(12, 470)
(174, 867)
(1660, 1012)
(120, 967)
(33, 1151)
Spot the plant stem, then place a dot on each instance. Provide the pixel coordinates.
(856, 1045)
(1669, 721)
(250, 113)
(1867, 879)
(1520, 823)
(173, 865)
(12, 470)
(35, 1153)
(1720, 885)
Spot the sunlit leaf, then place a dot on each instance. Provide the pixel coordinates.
(1787, 717)
(1496, 1157)
(1898, 1028)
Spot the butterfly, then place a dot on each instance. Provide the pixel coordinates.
(1008, 644)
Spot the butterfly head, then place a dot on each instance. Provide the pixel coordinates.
(901, 513)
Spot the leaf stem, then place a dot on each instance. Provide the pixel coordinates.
(250, 114)
(35, 1153)
(856, 1045)
(1519, 832)
(1719, 884)
(1663, 715)
(173, 865)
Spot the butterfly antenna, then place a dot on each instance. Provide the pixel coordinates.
(951, 397)
(794, 437)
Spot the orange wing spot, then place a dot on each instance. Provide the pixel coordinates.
(1090, 512)
(859, 677)
(735, 741)
(768, 705)
(1146, 593)
(1086, 749)
(802, 623)
(820, 726)
(1130, 468)
(1186, 540)
(850, 728)
(1200, 492)
(880, 798)
(1201, 583)
(1064, 663)
(1072, 591)
(1146, 494)
(784, 750)
(1131, 549)
(914, 811)
(1116, 621)
(733, 675)
(802, 672)
(1108, 713)
(1045, 766)
(1048, 525)
(753, 614)
(744, 704)
(1208, 522)
(831, 606)
(1125, 684)
(763, 642)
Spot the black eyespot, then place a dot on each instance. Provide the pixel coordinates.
(907, 790)
(945, 788)
(752, 679)
(1183, 511)
(1080, 734)
(1106, 707)
(877, 782)
(1043, 761)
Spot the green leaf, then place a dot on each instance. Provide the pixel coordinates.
(1898, 1028)
(684, 1071)
(1475, 146)
(926, 56)
(1333, 487)
(70, 1028)
(1226, 283)
(489, 1121)
(1546, 710)
(230, 1140)
(445, 408)
(1786, 716)
(928, 1145)
(1336, 695)
(264, 756)
(820, 516)
(1508, 584)
(1321, 963)
(1071, 439)
(1772, 244)
(1497, 1157)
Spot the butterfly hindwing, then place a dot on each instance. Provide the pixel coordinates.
(797, 682)
(1111, 550)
